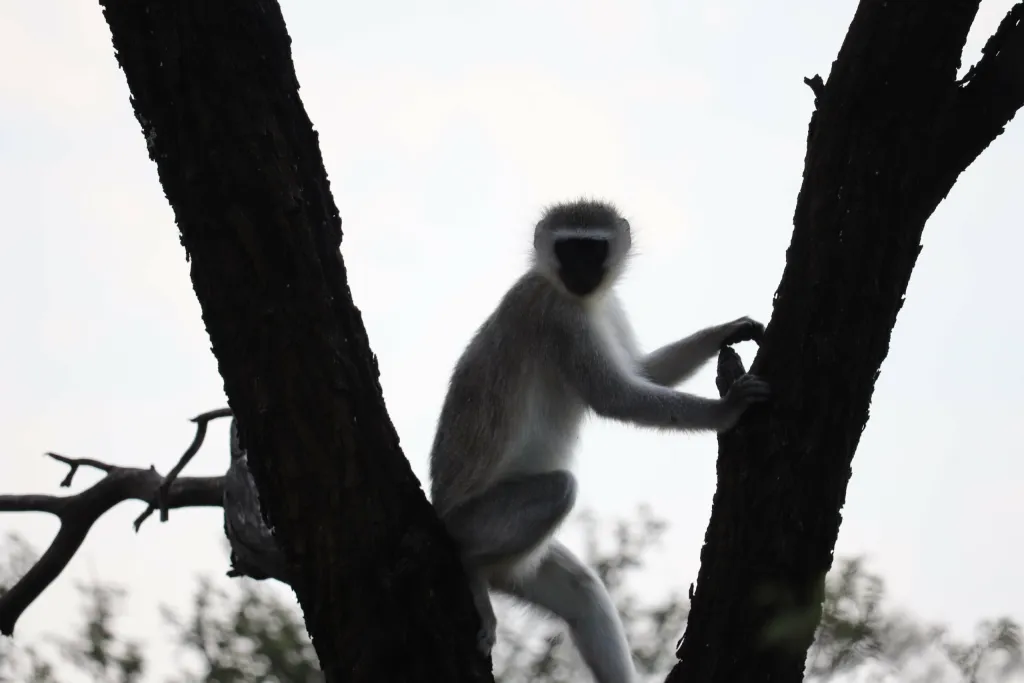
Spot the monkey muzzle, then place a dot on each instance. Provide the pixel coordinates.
(581, 263)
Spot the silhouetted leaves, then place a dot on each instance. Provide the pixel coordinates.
(240, 631)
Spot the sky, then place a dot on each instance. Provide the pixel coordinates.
(445, 128)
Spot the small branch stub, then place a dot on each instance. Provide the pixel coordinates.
(817, 86)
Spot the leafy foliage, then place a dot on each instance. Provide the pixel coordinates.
(547, 655)
(95, 648)
(19, 663)
(250, 636)
(243, 630)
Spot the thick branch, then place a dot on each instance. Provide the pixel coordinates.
(215, 90)
(77, 514)
(989, 95)
(875, 170)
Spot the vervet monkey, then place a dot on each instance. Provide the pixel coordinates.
(557, 346)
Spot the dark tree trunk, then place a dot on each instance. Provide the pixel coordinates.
(378, 580)
(892, 132)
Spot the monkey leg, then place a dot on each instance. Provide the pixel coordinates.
(570, 590)
(505, 523)
(487, 635)
(513, 517)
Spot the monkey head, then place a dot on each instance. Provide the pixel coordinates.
(582, 246)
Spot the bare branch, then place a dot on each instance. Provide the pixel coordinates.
(254, 553)
(201, 421)
(74, 463)
(78, 512)
(989, 95)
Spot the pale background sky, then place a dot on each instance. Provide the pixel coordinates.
(445, 127)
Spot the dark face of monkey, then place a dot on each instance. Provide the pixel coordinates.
(581, 262)
(585, 240)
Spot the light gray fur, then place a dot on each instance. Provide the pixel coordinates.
(502, 455)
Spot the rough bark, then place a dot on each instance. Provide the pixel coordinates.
(892, 132)
(379, 583)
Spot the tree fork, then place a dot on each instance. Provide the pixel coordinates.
(892, 132)
(379, 582)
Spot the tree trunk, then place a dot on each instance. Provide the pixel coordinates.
(892, 132)
(379, 582)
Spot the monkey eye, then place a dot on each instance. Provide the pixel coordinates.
(581, 251)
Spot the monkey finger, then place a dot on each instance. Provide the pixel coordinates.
(750, 389)
(744, 329)
(758, 392)
(757, 385)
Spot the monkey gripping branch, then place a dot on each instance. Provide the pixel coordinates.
(383, 594)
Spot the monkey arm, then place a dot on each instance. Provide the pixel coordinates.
(676, 362)
(613, 392)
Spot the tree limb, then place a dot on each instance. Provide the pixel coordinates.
(214, 88)
(877, 166)
(254, 552)
(78, 512)
(990, 94)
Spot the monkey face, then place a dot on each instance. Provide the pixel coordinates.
(582, 245)
(581, 262)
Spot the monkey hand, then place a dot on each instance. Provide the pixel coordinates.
(745, 391)
(741, 329)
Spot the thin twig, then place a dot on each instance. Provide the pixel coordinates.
(74, 463)
(160, 501)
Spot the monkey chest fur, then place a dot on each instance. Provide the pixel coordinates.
(547, 417)
(546, 424)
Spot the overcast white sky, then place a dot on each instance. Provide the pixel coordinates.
(445, 127)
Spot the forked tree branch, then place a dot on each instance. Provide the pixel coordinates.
(253, 550)
(161, 500)
(78, 512)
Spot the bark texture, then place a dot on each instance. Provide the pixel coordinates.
(214, 88)
(892, 132)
